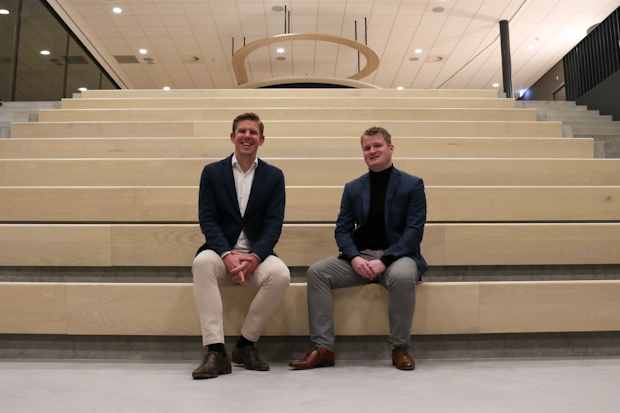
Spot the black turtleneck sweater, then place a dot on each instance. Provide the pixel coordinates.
(371, 235)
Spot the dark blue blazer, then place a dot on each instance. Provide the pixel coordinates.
(405, 216)
(218, 209)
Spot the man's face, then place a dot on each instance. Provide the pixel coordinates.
(247, 138)
(377, 153)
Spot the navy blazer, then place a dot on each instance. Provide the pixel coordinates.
(405, 216)
(218, 209)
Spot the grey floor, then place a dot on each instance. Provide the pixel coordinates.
(509, 385)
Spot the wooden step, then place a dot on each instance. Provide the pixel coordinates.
(297, 113)
(287, 129)
(312, 172)
(283, 92)
(293, 147)
(441, 308)
(174, 245)
(308, 204)
(287, 102)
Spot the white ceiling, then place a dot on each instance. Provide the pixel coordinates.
(174, 31)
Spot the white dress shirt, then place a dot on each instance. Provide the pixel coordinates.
(243, 186)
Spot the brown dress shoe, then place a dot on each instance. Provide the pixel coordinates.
(318, 357)
(402, 360)
(248, 357)
(213, 365)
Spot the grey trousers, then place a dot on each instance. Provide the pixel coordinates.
(399, 279)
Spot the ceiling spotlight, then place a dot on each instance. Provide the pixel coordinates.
(45, 52)
(495, 85)
(4, 11)
(418, 51)
(280, 50)
(143, 51)
(166, 88)
(438, 9)
(400, 88)
(117, 10)
(82, 89)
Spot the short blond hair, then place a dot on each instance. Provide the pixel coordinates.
(377, 130)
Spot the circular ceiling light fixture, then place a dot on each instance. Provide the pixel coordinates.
(117, 10)
(166, 88)
(438, 9)
(82, 89)
(434, 59)
(419, 51)
(45, 52)
(280, 50)
(400, 88)
(143, 51)
(495, 85)
(4, 12)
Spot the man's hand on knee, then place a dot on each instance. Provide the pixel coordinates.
(235, 267)
(251, 262)
(362, 267)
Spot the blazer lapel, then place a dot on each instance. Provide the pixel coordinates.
(365, 198)
(255, 189)
(390, 192)
(229, 184)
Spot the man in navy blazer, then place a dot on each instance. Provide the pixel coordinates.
(378, 231)
(241, 211)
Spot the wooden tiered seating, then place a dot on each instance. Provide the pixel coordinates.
(110, 180)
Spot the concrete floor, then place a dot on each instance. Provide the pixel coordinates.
(515, 385)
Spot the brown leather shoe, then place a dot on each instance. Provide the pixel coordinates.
(402, 360)
(318, 357)
(213, 365)
(248, 357)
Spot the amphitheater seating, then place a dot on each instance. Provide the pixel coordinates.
(110, 180)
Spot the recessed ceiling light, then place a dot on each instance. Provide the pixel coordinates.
(280, 50)
(117, 10)
(45, 52)
(4, 11)
(82, 89)
(166, 88)
(143, 51)
(438, 9)
(277, 8)
(418, 51)
(399, 88)
(495, 85)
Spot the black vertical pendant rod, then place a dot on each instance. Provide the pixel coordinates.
(66, 74)
(18, 29)
(358, 52)
(506, 63)
(243, 41)
(365, 31)
(285, 18)
(233, 46)
(289, 21)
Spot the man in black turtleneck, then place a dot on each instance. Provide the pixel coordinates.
(378, 232)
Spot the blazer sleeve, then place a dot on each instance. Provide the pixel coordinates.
(208, 215)
(273, 220)
(409, 242)
(345, 224)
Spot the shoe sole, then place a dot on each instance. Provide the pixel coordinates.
(310, 368)
(211, 376)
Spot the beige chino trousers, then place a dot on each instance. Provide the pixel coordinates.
(271, 278)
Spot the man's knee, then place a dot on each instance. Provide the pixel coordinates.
(317, 272)
(403, 272)
(205, 263)
(280, 274)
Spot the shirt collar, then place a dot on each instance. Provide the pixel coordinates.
(235, 163)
